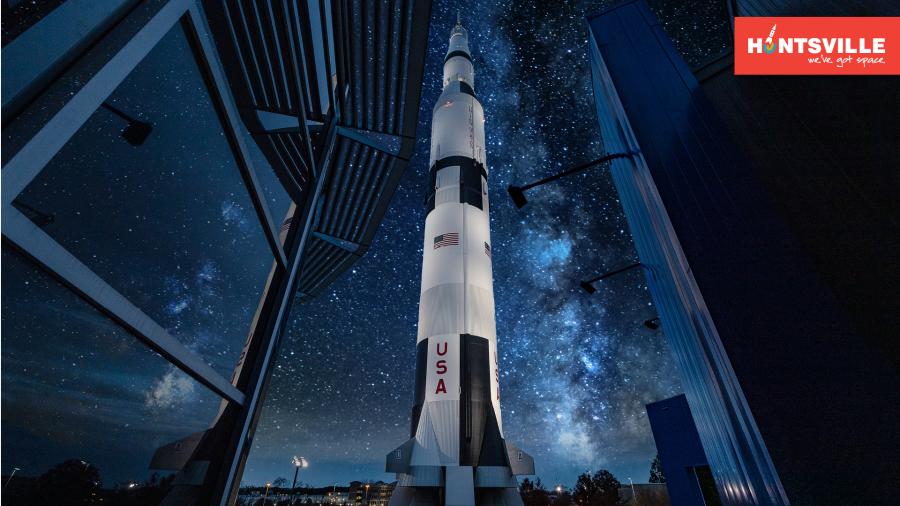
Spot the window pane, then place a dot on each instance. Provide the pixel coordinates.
(75, 386)
(20, 15)
(276, 196)
(168, 223)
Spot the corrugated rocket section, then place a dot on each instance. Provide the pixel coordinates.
(457, 454)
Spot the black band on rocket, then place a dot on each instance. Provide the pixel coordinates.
(470, 177)
(451, 54)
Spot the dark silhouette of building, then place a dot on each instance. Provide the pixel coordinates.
(688, 477)
(765, 209)
(277, 119)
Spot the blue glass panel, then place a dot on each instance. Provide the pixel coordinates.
(168, 222)
(77, 387)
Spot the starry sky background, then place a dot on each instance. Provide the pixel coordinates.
(171, 227)
(576, 370)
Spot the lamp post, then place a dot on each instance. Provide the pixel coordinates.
(518, 192)
(136, 132)
(298, 462)
(367, 494)
(11, 475)
(266, 494)
(588, 286)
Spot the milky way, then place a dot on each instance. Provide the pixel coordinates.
(577, 370)
(170, 226)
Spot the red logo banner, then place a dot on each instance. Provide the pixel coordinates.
(816, 46)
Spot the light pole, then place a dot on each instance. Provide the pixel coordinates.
(518, 192)
(588, 285)
(11, 475)
(298, 463)
(266, 494)
(367, 494)
(136, 132)
(633, 495)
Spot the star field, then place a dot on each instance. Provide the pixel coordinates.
(576, 370)
(170, 226)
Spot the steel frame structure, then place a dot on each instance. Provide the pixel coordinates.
(38, 130)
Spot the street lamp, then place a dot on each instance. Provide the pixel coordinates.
(588, 286)
(11, 475)
(633, 495)
(298, 462)
(136, 132)
(266, 494)
(518, 192)
(367, 494)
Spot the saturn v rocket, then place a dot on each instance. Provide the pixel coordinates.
(457, 454)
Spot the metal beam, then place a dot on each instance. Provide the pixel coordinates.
(43, 249)
(48, 47)
(207, 60)
(300, 80)
(305, 217)
(28, 162)
(344, 244)
(385, 142)
(274, 122)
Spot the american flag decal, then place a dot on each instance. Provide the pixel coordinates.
(487, 249)
(451, 239)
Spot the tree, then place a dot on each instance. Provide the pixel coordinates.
(563, 498)
(656, 471)
(526, 487)
(279, 482)
(534, 493)
(69, 483)
(601, 489)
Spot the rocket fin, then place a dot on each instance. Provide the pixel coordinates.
(520, 462)
(173, 456)
(398, 460)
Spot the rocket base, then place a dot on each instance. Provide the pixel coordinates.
(459, 490)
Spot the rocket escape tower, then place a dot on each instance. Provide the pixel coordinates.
(457, 454)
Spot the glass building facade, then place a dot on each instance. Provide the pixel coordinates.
(769, 240)
(164, 168)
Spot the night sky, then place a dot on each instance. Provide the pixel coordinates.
(170, 226)
(576, 370)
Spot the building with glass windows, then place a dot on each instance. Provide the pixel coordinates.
(174, 173)
(765, 209)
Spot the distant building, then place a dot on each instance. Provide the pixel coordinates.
(766, 210)
(337, 498)
(370, 494)
(688, 478)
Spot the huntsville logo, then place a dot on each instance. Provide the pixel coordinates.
(815, 45)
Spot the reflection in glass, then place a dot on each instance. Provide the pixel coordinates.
(276, 196)
(80, 393)
(168, 223)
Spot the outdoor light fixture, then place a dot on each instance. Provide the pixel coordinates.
(39, 218)
(298, 462)
(136, 132)
(518, 192)
(266, 496)
(588, 286)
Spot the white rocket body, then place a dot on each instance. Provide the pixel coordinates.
(457, 451)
